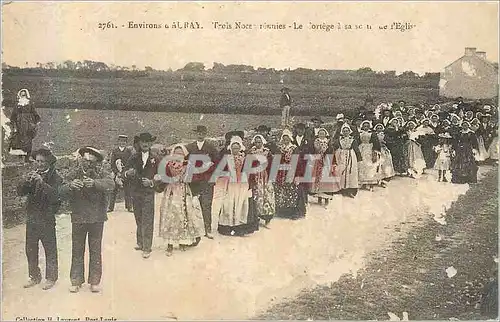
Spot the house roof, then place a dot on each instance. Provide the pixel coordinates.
(494, 65)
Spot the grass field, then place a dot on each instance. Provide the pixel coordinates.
(79, 111)
(206, 95)
(101, 128)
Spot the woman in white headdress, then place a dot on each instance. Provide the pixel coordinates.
(427, 139)
(369, 148)
(347, 156)
(414, 154)
(24, 120)
(386, 170)
(236, 218)
(262, 189)
(321, 187)
(181, 219)
(396, 138)
(463, 164)
(289, 194)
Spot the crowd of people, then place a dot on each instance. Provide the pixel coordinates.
(361, 152)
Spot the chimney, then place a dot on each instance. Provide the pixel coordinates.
(470, 51)
(481, 54)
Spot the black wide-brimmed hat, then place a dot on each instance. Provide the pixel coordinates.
(201, 129)
(122, 136)
(92, 151)
(146, 137)
(317, 118)
(46, 153)
(230, 134)
(263, 128)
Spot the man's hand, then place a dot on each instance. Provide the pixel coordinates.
(130, 173)
(88, 182)
(147, 183)
(77, 184)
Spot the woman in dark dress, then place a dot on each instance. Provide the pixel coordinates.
(290, 196)
(262, 189)
(427, 140)
(396, 138)
(463, 164)
(24, 120)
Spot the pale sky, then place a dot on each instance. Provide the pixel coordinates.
(43, 32)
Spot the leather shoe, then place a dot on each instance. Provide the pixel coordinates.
(95, 288)
(48, 285)
(31, 283)
(146, 254)
(138, 247)
(74, 288)
(209, 235)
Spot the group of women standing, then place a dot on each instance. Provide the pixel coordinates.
(361, 153)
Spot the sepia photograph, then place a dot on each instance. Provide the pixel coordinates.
(249, 160)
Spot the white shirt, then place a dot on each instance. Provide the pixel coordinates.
(316, 130)
(121, 148)
(386, 120)
(200, 144)
(145, 157)
(299, 138)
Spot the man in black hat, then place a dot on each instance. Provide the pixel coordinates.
(312, 132)
(87, 187)
(300, 138)
(119, 158)
(140, 170)
(201, 185)
(265, 131)
(41, 187)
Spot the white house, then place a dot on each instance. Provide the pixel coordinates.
(471, 76)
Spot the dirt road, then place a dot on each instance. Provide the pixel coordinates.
(226, 278)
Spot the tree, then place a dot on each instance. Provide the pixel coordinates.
(218, 67)
(148, 69)
(69, 64)
(194, 67)
(365, 71)
(409, 74)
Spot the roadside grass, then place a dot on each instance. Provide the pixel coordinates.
(411, 276)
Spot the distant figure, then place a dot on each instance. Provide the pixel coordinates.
(24, 120)
(285, 105)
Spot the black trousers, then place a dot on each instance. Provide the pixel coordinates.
(144, 213)
(46, 233)
(127, 196)
(205, 191)
(79, 237)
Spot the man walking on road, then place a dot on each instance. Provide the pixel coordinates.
(41, 187)
(87, 189)
(140, 170)
(200, 185)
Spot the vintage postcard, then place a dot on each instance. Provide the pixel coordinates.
(286, 160)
